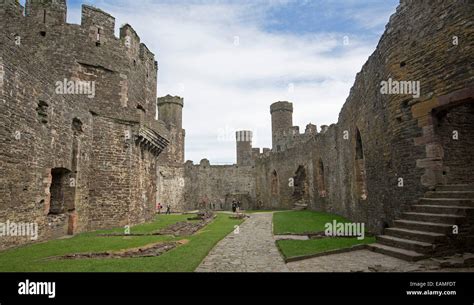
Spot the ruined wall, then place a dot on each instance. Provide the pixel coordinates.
(215, 184)
(71, 145)
(381, 138)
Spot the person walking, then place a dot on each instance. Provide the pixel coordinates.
(234, 206)
(168, 209)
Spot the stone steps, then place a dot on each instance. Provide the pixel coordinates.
(450, 194)
(424, 230)
(440, 228)
(436, 218)
(407, 244)
(447, 201)
(455, 187)
(423, 236)
(442, 209)
(404, 254)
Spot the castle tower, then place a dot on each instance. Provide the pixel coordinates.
(170, 112)
(49, 12)
(282, 122)
(244, 148)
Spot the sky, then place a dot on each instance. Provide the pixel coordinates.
(230, 60)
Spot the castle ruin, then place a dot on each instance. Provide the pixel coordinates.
(402, 163)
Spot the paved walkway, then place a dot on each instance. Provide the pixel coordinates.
(252, 249)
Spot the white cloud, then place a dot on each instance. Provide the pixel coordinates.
(227, 86)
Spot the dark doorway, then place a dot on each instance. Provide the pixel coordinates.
(59, 191)
(300, 184)
(454, 130)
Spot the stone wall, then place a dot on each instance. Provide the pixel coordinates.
(71, 161)
(383, 153)
(216, 184)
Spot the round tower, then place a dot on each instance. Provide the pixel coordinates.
(244, 148)
(170, 110)
(282, 121)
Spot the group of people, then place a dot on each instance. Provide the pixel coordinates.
(235, 206)
(159, 207)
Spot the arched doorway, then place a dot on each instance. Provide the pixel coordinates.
(300, 192)
(454, 129)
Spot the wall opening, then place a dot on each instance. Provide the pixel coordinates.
(300, 184)
(320, 179)
(59, 191)
(360, 173)
(454, 128)
(275, 189)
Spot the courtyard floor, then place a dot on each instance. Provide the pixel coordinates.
(252, 249)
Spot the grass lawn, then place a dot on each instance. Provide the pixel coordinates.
(292, 248)
(302, 221)
(184, 258)
(307, 222)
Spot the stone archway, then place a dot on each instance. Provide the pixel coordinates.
(300, 192)
(429, 113)
(454, 129)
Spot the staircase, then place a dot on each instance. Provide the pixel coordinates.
(425, 230)
(300, 205)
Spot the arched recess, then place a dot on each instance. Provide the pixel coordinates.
(320, 178)
(300, 184)
(359, 167)
(275, 189)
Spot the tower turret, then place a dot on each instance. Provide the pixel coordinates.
(170, 110)
(244, 148)
(282, 121)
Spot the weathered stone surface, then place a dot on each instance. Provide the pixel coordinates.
(250, 248)
(73, 162)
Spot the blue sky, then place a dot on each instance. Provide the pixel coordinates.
(231, 59)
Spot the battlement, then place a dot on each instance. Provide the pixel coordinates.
(168, 99)
(99, 25)
(244, 136)
(311, 129)
(281, 106)
(50, 12)
(97, 21)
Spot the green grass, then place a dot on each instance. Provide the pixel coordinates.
(310, 222)
(292, 248)
(302, 221)
(184, 258)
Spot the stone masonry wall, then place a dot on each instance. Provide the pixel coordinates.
(75, 145)
(212, 184)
